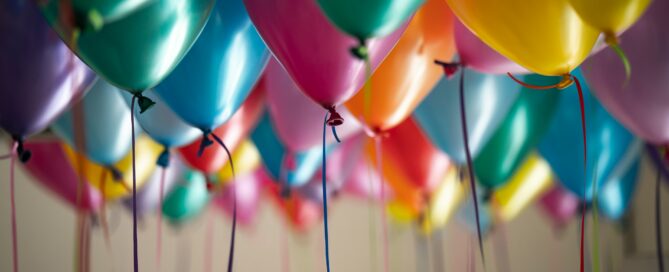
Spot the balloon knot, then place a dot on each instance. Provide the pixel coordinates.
(116, 174)
(164, 158)
(144, 102)
(487, 195)
(285, 192)
(335, 118)
(565, 81)
(205, 142)
(450, 68)
(23, 154)
(360, 51)
(210, 187)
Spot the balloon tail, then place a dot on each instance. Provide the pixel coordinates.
(613, 42)
(585, 161)
(231, 255)
(450, 68)
(12, 196)
(209, 237)
(159, 240)
(368, 88)
(134, 185)
(658, 224)
(332, 122)
(360, 51)
(384, 220)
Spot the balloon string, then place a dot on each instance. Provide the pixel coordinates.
(595, 225)
(535, 87)
(12, 162)
(658, 224)
(613, 42)
(134, 188)
(585, 161)
(159, 240)
(368, 88)
(384, 220)
(285, 251)
(658, 160)
(372, 222)
(231, 255)
(103, 210)
(325, 197)
(209, 237)
(470, 165)
(87, 244)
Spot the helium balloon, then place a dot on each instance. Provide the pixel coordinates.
(408, 74)
(364, 183)
(247, 189)
(546, 37)
(232, 133)
(105, 124)
(115, 180)
(476, 55)
(639, 104)
(467, 214)
(50, 168)
(246, 158)
(188, 198)
(218, 73)
(560, 205)
(39, 76)
(488, 98)
(614, 198)
(607, 142)
(313, 51)
(300, 213)
(148, 197)
(295, 115)
(132, 44)
(522, 129)
(444, 201)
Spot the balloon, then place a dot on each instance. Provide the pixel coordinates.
(467, 215)
(188, 198)
(102, 176)
(615, 196)
(105, 124)
(530, 181)
(608, 16)
(639, 104)
(522, 129)
(364, 183)
(488, 99)
(232, 133)
(39, 76)
(560, 205)
(444, 201)
(562, 145)
(246, 158)
(219, 72)
(476, 55)
(546, 37)
(300, 213)
(148, 197)
(247, 189)
(162, 124)
(408, 74)
(312, 51)
(50, 168)
(132, 44)
(296, 117)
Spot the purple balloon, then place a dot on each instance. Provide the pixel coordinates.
(39, 75)
(641, 105)
(148, 197)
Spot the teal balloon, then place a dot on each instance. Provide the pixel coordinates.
(188, 198)
(276, 157)
(613, 199)
(219, 72)
(562, 146)
(133, 44)
(162, 124)
(488, 98)
(106, 124)
(369, 18)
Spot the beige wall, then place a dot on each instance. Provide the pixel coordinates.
(46, 239)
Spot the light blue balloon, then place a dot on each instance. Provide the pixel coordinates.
(162, 124)
(219, 72)
(106, 124)
(488, 98)
(273, 154)
(467, 214)
(562, 146)
(188, 198)
(614, 197)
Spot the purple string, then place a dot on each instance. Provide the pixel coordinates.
(658, 223)
(134, 187)
(325, 198)
(231, 256)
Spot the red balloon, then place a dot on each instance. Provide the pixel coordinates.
(301, 214)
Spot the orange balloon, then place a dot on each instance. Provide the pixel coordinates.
(408, 74)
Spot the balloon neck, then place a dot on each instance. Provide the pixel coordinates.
(143, 102)
(335, 118)
(285, 192)
(611, 39)
(164, 158)
(211, 184)
(450, 68)
(565, 82)
(487, 195)
(360, 51)
(23, 154)
(204, 143)
(116, 174)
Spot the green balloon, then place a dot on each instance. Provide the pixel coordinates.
(369, 18)
(519, 133)
(187, 199)
(133, 44)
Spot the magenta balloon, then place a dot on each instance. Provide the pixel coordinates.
(248, 189)
(642, 105)
(49, 166)
(478, 56)
(560, 205)
(296, 118)
(315, 53)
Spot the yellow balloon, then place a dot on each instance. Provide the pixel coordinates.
(610, 16)
(147, 151)
(546, 37)
(246, 159)
(444, 201)
(530, 180)
(400, 213)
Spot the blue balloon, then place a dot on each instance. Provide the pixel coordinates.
(487, 100)
(219, 71)
(274, 156)
(106, 124)
(562, 146)
(614, 197)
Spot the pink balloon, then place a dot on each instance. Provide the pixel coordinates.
(560, 205)
(313, 51)
(296, 118)
(248, 197)
(477, 55)
(643, 104)
(49, 166)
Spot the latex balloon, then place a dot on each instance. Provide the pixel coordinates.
(246, 159)
(364, 183)
(50, 168)
(467, 214)
(188, 198)
(562, 145)
(610, 17)
(132, 44)
(408, 74)
(105, 124)
(530, 181)
(487, 101)
(560, 205)
(400, 213)
(102, 177)
(219, 72)
(522, 129)
(296, 117)
(546, 37)
(368, 19)
(148, 197)
(39, 76)
(232, 133)
(615, 196)
(639, 103)
(312, 50)
(300, 213)
(248, 193)
(476, 55)
(444, 201)
(163, 124)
